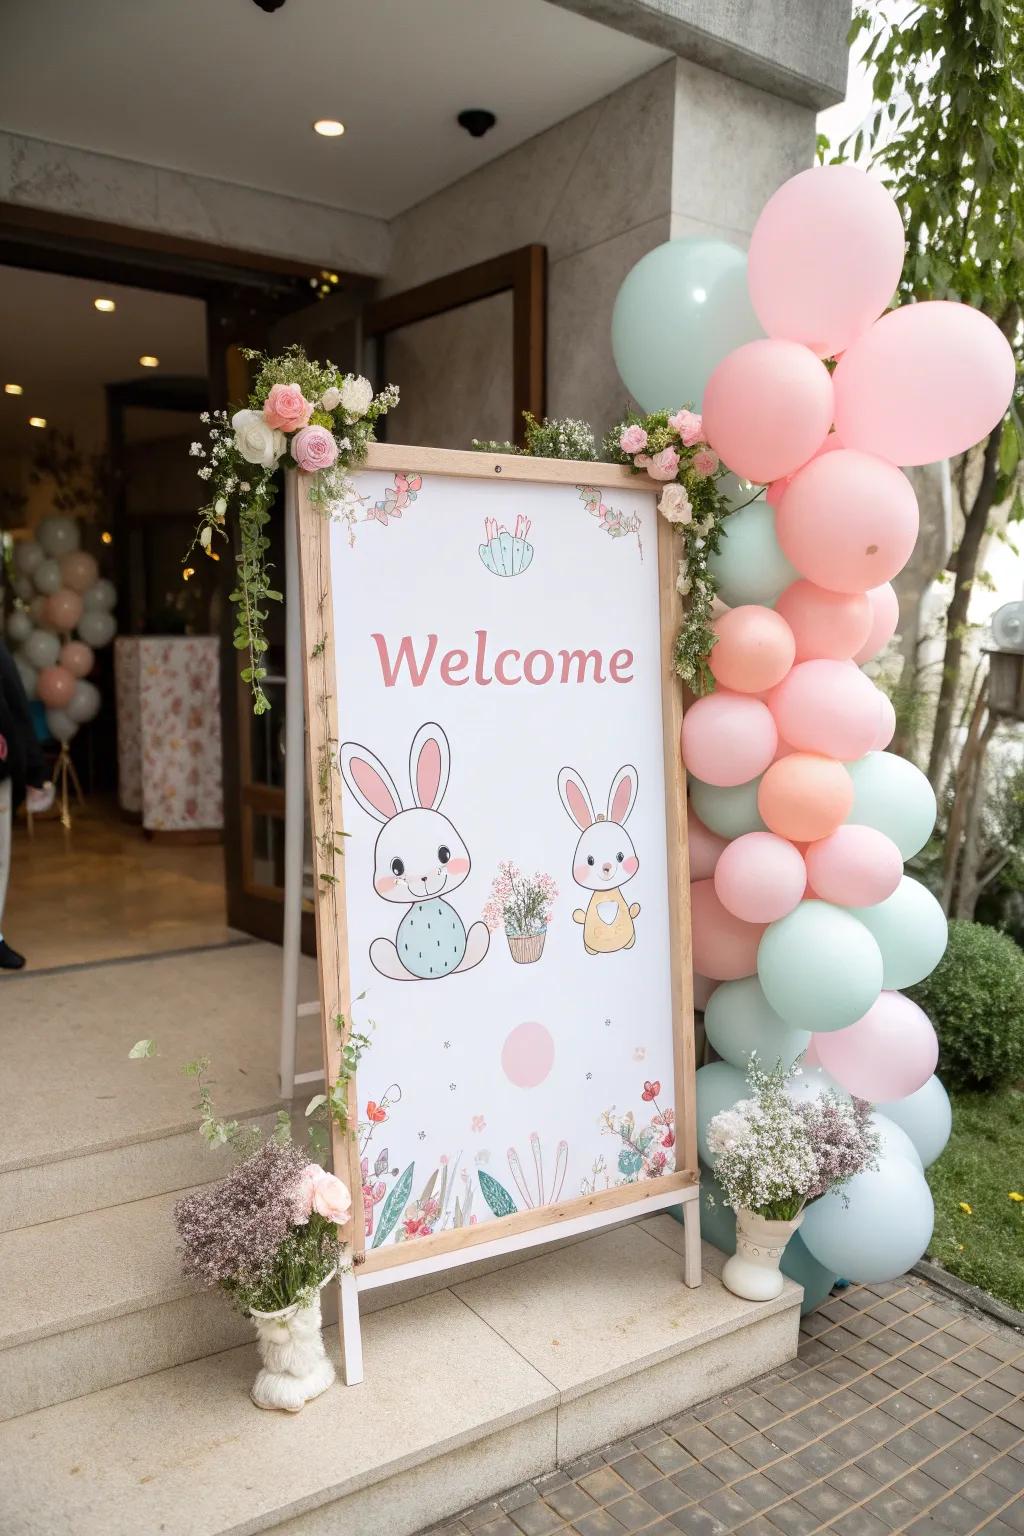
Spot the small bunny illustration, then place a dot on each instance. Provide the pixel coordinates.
(605, 859)
(418, 859)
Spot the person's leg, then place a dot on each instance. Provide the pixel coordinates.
(10, 960)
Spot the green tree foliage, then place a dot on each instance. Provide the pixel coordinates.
(975, 999)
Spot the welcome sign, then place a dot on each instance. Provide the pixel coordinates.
(506, 920)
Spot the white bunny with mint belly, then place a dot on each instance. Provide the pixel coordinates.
(419, 859)
(605, 859)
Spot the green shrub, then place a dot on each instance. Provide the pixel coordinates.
(975, 999)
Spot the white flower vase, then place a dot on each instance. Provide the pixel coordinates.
(295, 1364)
(753, 1270)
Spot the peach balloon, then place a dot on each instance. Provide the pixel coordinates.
(754, 649)
(77, 657)
(63, 610)
(55, 686)
(885, 616)
(848, 521)
(705, 847)
(760, 877)
(724, 947)
(828, 707)
(728, 739)
(805, 796)
(832, 625)
(767, 408)
(79, 571)
(854, 866)
(886, 723)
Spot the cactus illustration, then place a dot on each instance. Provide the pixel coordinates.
(504, 553)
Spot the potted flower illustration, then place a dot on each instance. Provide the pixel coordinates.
(521, 904)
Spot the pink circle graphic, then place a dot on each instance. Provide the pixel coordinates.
(528, 1055)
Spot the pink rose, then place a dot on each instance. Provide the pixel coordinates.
(314, 448)
(287, 408)
(642, 460)
(331, 1199)
(664, 465)
(705, 463)
(689, 426)
(633, 439)
(304, 1192)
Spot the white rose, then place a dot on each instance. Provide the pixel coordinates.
(675, 504)
(330, 398)
(255, 441)
(356, 396)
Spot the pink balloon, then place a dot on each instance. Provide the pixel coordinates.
(885, 616)
(886, 722)
(854, 867)
(767, 408)
(705, 847)
(63, 610)
(55, 685)
(848, 521)
(888, 1054)
(728, 738)
(775, 492)
(825, 257)
(828, 707)
(77, 657)
(724, 947)
(825, 624)
(754, 649)
(811, 1054)
(926, 382)
(78, 570)
(760, 877)
(703, 987)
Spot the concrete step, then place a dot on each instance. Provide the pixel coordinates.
(488, 1382)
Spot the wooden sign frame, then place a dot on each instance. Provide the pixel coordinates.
(364, 1269)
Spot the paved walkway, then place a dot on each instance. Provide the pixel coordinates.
(903, 1412)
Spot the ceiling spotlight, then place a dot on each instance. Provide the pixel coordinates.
(106, 538)
(105, 306)
(477, 121)
(329, 127)
(13, 389)
(37, 421)
(149, 361)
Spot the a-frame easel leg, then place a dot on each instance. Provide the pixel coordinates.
(350, 1337)
(691, 1242)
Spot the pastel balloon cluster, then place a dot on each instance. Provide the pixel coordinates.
(805, 928)
(65, 614)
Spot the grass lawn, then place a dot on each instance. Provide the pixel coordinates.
(983, 1162)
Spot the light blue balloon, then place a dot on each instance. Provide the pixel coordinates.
(801, 1265)
(894, 797)
(883, 1229)
(738, 493)
(719, 1086)
(926, 1117)
(750, 566)
(738, 1020)
(717, 1220)
(811, 1082)
(679, 311)
(727, 812)
(820, 967)
(911, 931)
(894, 1140)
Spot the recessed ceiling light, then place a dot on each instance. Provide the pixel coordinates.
(13, 389)
(149, 361)
(37, 421)
(105, 306)
(106, 538)
(329, 127)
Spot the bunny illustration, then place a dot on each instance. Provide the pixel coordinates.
(605, 859)
(418, 859)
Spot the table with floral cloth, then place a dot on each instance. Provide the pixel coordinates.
(168, 731)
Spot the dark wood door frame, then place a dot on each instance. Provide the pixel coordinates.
(524, 273)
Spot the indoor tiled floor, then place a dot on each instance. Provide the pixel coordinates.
(904, 1412)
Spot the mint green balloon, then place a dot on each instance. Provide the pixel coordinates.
(927, 1118)
(910, 929)
(737, 493)
(739, 1021)
(894, 797)
(799, 1264)
(820, 967)
(727, 812)
(750, 566)
(679, 311)
(719, 1086)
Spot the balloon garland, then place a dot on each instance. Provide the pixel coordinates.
(804, 926)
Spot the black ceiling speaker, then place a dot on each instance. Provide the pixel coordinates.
(269, 5)
(477, 121)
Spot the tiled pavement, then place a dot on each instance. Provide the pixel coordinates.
(903, 1412)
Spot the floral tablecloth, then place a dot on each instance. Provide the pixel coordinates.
(168, 730)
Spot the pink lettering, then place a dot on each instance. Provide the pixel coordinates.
(411, 661)
(581, 658)
(619, 661)
(499, 669)
(452, 662)
(547, 662)
(417, 672)
(481, 646)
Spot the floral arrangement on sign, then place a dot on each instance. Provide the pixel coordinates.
(300, 415)
(521, 905)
